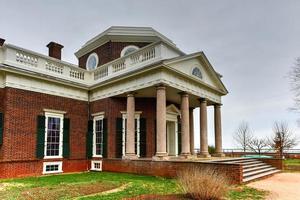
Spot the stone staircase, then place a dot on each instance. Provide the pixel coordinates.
(253, 168)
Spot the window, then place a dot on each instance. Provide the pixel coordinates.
(128, 49)
(137, 133)
(196, 72)
(52, 167)
(96, 165)
(98, 136)
(53, 135)
(92, 61)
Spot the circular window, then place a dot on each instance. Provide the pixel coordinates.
(196, 72)
(129, 49)
(92, 61)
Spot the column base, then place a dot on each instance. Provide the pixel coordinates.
(219, 155)
(160, 156)
(185, 155)
(204, 155)
(130, 156)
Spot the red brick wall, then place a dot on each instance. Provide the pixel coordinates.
(112, 108)
(169, 169)
(108, 52)
(275, 162)
(20, 123)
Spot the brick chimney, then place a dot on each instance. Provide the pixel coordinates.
(2, 41)
(55, 50)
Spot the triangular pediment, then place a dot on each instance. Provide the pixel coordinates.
(173, 109)
(197, 67)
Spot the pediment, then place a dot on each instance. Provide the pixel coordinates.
(173, 109)
(198, 67)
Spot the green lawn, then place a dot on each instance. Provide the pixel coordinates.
(292, 162)
(79, 185)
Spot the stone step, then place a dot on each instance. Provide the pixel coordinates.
(240, 161)
(251, 173)
(261, 175)
(250, 162)
(256, 168)
(253, 165)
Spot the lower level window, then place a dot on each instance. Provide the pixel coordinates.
(52, 167)
(96, 165)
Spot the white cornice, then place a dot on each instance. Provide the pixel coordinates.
(124, 33)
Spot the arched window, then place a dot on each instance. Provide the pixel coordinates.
(128, 49)
(92, 61)
(196, 72)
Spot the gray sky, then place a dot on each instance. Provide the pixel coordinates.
(253, 44)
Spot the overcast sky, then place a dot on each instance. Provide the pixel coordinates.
(253, 44)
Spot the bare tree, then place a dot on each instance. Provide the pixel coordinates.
(243, 135)
(295, 83)
(257, 145)
(283, 138)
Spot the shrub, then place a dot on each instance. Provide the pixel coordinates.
(203, 183)
(211, 150)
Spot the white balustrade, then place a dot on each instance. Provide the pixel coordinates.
(25, 59)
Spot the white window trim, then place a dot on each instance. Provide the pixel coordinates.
(137, 116)
(98, 117)
(87, 61)
(128, 47)
(56, 115)
(92, 165)
(53, 163)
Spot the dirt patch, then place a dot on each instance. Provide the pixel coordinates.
(66, 191)
(6, 186)
(283, 186)
(160, 197)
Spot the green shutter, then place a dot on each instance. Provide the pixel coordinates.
(89, 140)
(66, 138)
(155, 136)
(179, 137)
(119, 133)
(143, 137)
(105, 135)
(1, 128)
(40, 137)
(135, 136)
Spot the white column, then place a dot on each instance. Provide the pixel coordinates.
(185, 125)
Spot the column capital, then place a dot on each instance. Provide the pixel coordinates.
(131, 94)
(218, 105)
(183, 94)
(202, 100)
(161, 87)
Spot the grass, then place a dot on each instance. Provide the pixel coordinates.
(293, 162)
(78, 185)
(245, 192)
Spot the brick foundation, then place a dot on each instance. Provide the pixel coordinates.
(169, 169)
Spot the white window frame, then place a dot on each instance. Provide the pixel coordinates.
(60, 151)
(137, 116)
(93, 162)
(96, 118)
(59, 163)
(87, 61)
(128, 47)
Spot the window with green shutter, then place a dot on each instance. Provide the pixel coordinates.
(143, 137)
(89, 140)
(179, 137)
(66, 138)
(40, 137)
(119, 137)
(105, 140)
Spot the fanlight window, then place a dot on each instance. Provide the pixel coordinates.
(196, 72)
(92, 61)
(128, 49)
